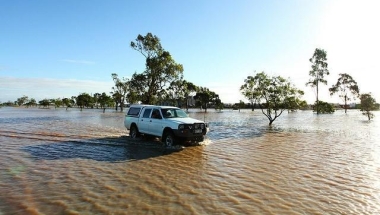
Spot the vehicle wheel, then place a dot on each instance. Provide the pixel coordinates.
(134, 133)
(168, 139)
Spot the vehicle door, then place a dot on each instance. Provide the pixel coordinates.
(145, 121)
(156, 122)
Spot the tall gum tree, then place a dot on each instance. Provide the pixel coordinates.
(272, 94)
(318, 71)
(160, 69)
(347, 88)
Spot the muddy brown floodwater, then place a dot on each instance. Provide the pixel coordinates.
(83, 162)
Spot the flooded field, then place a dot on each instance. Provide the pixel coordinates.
(83, 162)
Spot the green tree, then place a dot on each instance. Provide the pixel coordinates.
(95, 98)
(190, 90)
(84, 100)
(21, 101)
(67, 102)
(295, 103)
(120, 90)
(347, 88)
(206, 98)
(241, 105)
(272, 94)
(368, 104)
(248, 90)
(31, 102)
(73, 101)
(57, 102)
(44, 103)
(318, 71)
(324, 107)
(179, 92)
(105, 101)
(160, 69)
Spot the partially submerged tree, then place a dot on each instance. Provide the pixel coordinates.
(190, 90)
(347, 88)
(206, 98)
(272, 94)
(160, 69)
(120, 90)
(368, 104)
(44, 103)
(21, 101)
(295, 103)
(57, 102)
(318, 71)
(105, 101)
(31, 102)
(179, 92)
(249, 92)
(84, 100)
(67, 102)
(324, 107)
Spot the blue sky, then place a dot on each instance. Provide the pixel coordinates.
(51, 49)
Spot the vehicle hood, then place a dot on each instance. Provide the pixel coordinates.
(184, 120)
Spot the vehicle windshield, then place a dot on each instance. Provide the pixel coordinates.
(173, 113)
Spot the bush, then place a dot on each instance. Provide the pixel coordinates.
(324, 107)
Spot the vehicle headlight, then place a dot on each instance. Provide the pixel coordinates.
(181, 127)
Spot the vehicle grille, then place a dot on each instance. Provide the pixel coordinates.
(195, 126)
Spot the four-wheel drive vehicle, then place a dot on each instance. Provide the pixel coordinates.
(171, 124)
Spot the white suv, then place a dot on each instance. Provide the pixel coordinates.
(171, 124)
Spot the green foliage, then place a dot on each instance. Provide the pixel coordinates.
(31, 102)
(120, 90)
(324, 107)
(206, 98)
(248, 90)
(160, 69)
(318, 71)
(84, 100)
(67, 102)
(368, 104)
(347, 88)
(21, 101)
(219, 106)
(44, 103)
(179, 92)
(272, 94)
(105, 101)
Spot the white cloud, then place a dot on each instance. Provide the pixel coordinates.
(12, 88)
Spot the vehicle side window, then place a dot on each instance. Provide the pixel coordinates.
(147, 113)
(156, 114)
(134, 111)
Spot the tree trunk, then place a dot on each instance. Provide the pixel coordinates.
(345, 103)
(317, 100)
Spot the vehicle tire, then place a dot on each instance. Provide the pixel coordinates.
(134, 132)
(168, 139)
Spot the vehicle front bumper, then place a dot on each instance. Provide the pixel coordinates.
(187, 134)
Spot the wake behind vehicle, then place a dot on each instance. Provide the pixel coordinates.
(171, 124)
